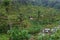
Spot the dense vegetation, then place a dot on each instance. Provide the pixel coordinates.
(25, 22)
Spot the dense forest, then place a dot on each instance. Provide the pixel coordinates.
(29, 19)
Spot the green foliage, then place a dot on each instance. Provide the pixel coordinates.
(34, 29)
(22, 25)
(4, 37)
(55, 36)
(6, 2)
(16, 34)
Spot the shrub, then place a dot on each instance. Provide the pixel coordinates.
(34, 29)
(16, 34)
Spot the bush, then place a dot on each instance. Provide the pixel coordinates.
(16, 34)
(34, 29)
